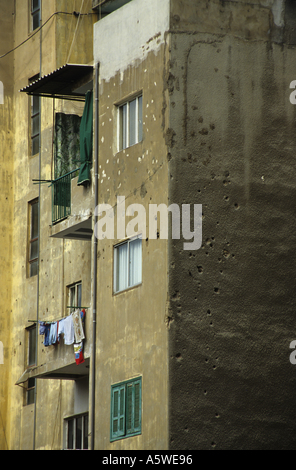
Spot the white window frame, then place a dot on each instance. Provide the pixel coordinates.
(138, 123)
(116, 290)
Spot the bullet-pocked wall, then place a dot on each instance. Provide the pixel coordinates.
(131, 324)
(233, 301)
(62, 263)
(6, 207)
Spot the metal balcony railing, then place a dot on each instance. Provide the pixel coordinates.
(61, 196)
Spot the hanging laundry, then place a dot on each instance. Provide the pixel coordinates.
(78, 352)
(78, 328)
(66, 327)
(53, 333)
(46, 335)
(42, 328)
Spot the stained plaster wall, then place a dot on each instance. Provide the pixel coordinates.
(61, 262)
(232, 302)
(131, 328)
(6, 207)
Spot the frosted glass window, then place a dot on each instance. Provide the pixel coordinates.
(127, 264)
(130, 123)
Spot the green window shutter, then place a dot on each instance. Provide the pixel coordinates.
(133, 407)
(118, 412)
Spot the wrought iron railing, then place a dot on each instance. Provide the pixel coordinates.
(61, 196)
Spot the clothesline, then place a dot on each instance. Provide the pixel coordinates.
(58, 319)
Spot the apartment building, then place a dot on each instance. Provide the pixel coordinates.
(109, 110)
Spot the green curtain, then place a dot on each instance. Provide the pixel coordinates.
(86, 140)
(66, 156)
(67, 144)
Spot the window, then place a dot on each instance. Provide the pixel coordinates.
(127, 264)
(35, 120)
(74, 296)
(32, 346)
(126, 406)
(130, 123)
(33, 237)
(31, 392)
(31, 361)
(67, 144)
(77, 432)
(35, 14)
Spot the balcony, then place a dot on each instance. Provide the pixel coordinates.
(61, 196)
(71, 208)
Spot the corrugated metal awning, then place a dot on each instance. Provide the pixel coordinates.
(71, 81)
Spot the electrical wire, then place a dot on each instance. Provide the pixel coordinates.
(42, 26)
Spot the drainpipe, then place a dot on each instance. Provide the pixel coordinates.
(95, 249)
(39, 215)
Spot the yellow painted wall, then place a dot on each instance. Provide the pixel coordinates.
(6, 207)
(61, 262)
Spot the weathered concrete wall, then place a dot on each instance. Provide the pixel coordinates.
(61, 262)
(232, 302)
(6, 207)
(74, 33)
(131, 329)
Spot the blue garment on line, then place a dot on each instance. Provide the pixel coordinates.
(53, 334)
(46, 335)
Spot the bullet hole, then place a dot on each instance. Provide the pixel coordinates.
(179, 357)
(176, 296)
(226, 198)
(236, 206)
(213, 444)
(205, 392)
(211, 323)
(217, 290)
(214, 367)
(217, 415)
(206, 360)
(189, 272)
(209, 312)
(200, 269)
(226, 254)
(227, 174)
(204, 131)
(186, 429)
(157, 235)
